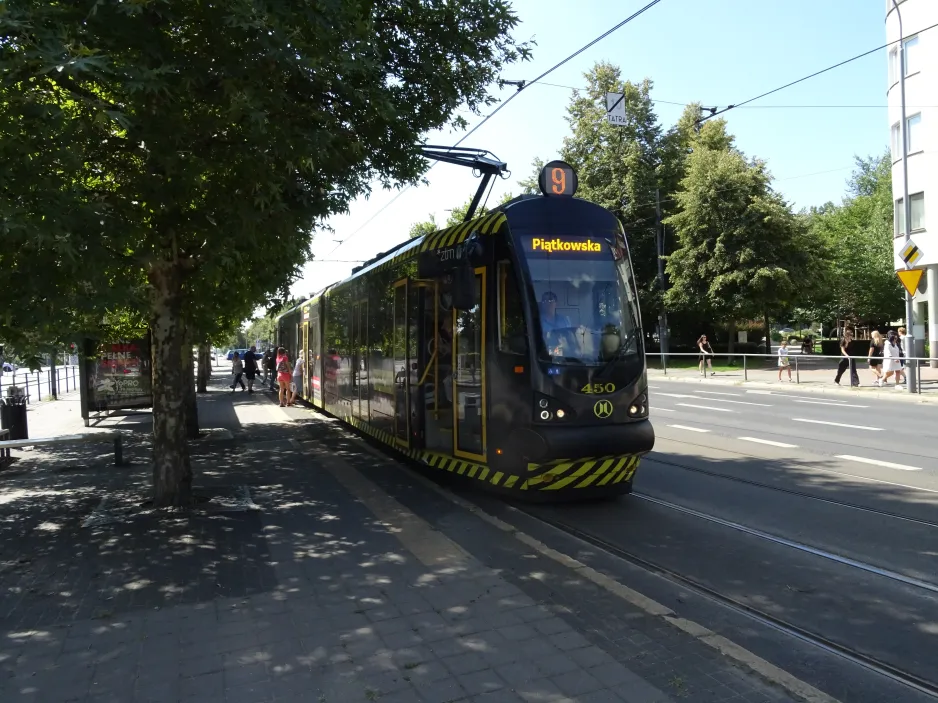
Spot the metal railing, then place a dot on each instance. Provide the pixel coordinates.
(798, 361)
(37, 385)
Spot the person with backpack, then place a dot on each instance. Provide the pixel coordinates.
(284, 375)
(250, 367)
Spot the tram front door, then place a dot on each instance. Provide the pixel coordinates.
(452, 382)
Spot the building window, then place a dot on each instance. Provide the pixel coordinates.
(895, 144)
(918, 213)
(911, 56)
(893, 66)
(914, 133)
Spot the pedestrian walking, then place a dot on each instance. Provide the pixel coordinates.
(284, 374)
(250, 367)
(237, 369)
(297, 384)
(891, 363)
(900, 374)
(846, 362)
(706, 355)
(876, 357)
(783, 361)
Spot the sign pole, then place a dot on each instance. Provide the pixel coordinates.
(909, 339)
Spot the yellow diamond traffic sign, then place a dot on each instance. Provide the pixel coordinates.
(910, 253)
(910, 279)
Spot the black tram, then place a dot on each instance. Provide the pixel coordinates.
(507, 349)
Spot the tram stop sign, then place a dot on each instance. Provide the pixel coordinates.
(558, 178)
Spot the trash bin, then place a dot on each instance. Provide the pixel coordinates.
(13, 414)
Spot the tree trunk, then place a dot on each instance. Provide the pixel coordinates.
(768, 333)
(172, 472)
(731, 343)
(192, 404)
(205, 367)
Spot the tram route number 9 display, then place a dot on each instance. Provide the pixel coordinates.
(558, 178)
(598, 388)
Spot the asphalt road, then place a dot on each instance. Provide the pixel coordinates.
(820, 511)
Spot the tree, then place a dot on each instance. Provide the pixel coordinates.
(160, 147)
(421, 229)
(617, 166)
(742, 253)
(862, 284)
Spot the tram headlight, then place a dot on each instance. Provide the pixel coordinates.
(639, 407)
(547, 409)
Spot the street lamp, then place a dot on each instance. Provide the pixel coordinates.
(909, 339)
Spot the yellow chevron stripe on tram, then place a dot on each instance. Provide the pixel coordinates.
(603, 468)
(570, 478)
(611, 474)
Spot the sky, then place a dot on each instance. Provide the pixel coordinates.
(717, 52)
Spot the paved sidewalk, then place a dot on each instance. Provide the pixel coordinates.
(813, 377)
(315, 585)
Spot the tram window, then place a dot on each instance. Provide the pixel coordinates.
(512, 334)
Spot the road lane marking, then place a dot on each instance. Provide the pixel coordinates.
(663, 410)
(707, 407)
(760, 392)
(677, 395)
(804, 397)
(768, 441)
(737, 402)
(839, 404)
(690, 429)
(654, 388)
(718, 393)
(877, 462)
(838, 424)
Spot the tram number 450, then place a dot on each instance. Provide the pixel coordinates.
(598, 388)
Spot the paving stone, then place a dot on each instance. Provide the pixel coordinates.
(481, 682)
(575, 683)
(515, 633)
(557, 664)
(519, 672)
(441, 690)
(568, 640)
(202, 688)
(539, 690)
(465, 663)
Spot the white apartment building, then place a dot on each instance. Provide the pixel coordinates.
(920, 43)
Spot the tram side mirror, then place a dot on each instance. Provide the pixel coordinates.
(464, 287)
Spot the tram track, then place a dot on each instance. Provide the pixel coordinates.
(793, 492)
(852, 654)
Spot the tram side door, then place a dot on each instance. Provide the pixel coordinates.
(468, 376)
(401, 358)
(359, 360)
(304, 391)
(433, 390)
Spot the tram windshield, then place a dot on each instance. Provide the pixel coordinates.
(585, 296)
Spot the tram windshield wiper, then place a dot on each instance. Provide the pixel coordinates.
(626, 343)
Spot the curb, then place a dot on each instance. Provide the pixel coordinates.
(726, 647)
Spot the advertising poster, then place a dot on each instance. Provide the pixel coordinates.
(119, 376)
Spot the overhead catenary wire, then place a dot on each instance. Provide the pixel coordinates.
(809, 76)
(524, 84)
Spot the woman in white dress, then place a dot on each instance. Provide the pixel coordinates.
(891, 363)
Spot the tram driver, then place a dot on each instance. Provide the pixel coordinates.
(551, 323)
